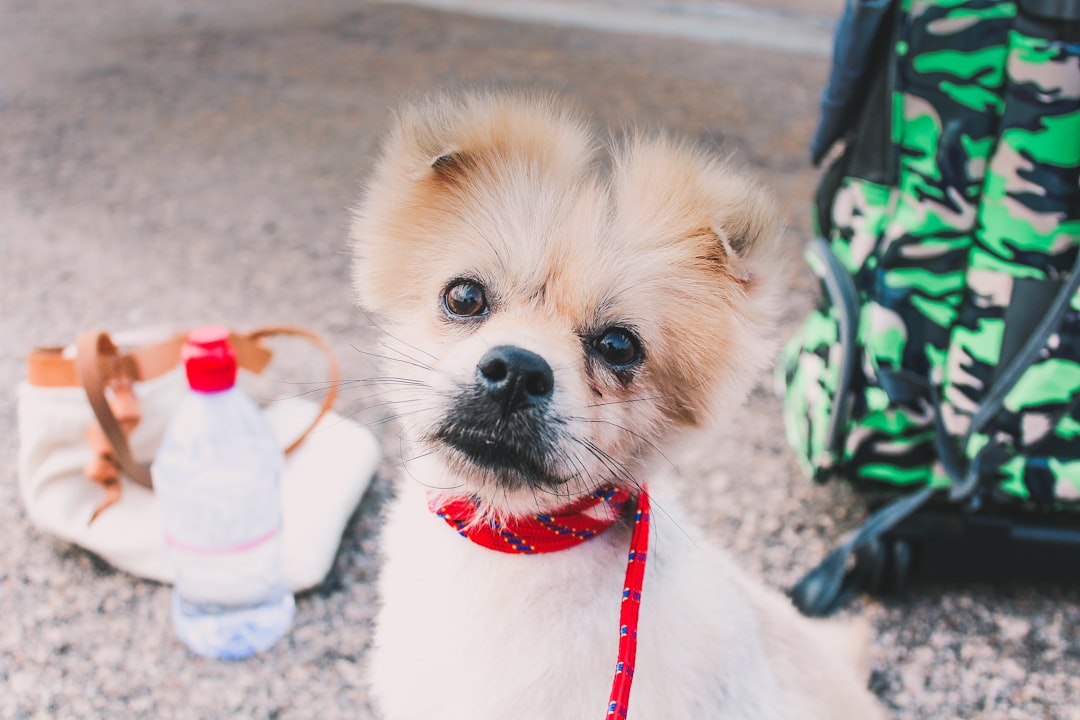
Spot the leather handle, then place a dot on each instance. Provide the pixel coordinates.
(331, 360)
(98, 361)
(51, 367)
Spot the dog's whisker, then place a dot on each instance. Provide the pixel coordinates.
(382, 393)
(535, 499)
(391, 380)
(650, 398)
(390, 358)
(388, 334)
(342, 387)
(407, 356)
(648, 443)
(325, 384)
(630, 478)
(617, 467)
(324, 387)
(408, 471)
(617, 470)
(591, 482)
(385, 404)
(580, 472)
(322, 392)
(389, 418)
(405, 466)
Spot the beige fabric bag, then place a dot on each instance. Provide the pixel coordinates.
(102, 408)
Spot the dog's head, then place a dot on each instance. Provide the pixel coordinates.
(548, 323)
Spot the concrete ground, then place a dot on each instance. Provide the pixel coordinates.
(188, 160)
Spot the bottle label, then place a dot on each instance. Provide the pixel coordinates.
(228, 550)
(224, 537)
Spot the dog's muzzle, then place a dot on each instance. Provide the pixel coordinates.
(502, 422)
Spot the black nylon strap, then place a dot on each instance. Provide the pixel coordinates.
(835, 580)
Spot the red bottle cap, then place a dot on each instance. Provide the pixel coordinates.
(209, 359)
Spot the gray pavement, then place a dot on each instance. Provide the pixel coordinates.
(189, 160)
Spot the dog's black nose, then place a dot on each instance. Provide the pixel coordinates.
(517, 378)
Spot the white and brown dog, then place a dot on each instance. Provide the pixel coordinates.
(554, 315)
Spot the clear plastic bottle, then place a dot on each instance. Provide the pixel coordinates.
(217, 476)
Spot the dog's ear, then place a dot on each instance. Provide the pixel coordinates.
(443, 157)
(673, 190)
(746, 222)
(719, 250)
(449, 136)
(717, 234)
(451, 163)
(453, 167)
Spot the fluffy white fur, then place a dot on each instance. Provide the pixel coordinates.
(662, 240)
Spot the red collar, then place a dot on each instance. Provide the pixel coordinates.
(530, 534)
(573, 525)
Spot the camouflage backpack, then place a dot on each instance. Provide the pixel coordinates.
(940, 372)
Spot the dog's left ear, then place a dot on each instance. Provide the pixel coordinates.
(669, 189)
(441, 160)
(745, 221)
(718, 235)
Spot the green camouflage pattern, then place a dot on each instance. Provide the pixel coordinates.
(813, 382)
(983, 216)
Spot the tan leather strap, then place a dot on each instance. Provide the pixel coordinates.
(332, 365)
(49, 367)
(99, 364)
(102, 469)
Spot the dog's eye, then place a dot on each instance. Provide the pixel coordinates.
(618, 347)
(465, 299)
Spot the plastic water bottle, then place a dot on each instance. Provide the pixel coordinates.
(217, 476)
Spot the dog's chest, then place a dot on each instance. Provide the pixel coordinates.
(466, 632)
(474, 628)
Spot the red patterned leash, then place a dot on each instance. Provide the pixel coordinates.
(619, 704)
(571, 526)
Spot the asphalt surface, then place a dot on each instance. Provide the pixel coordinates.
(173, 161)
